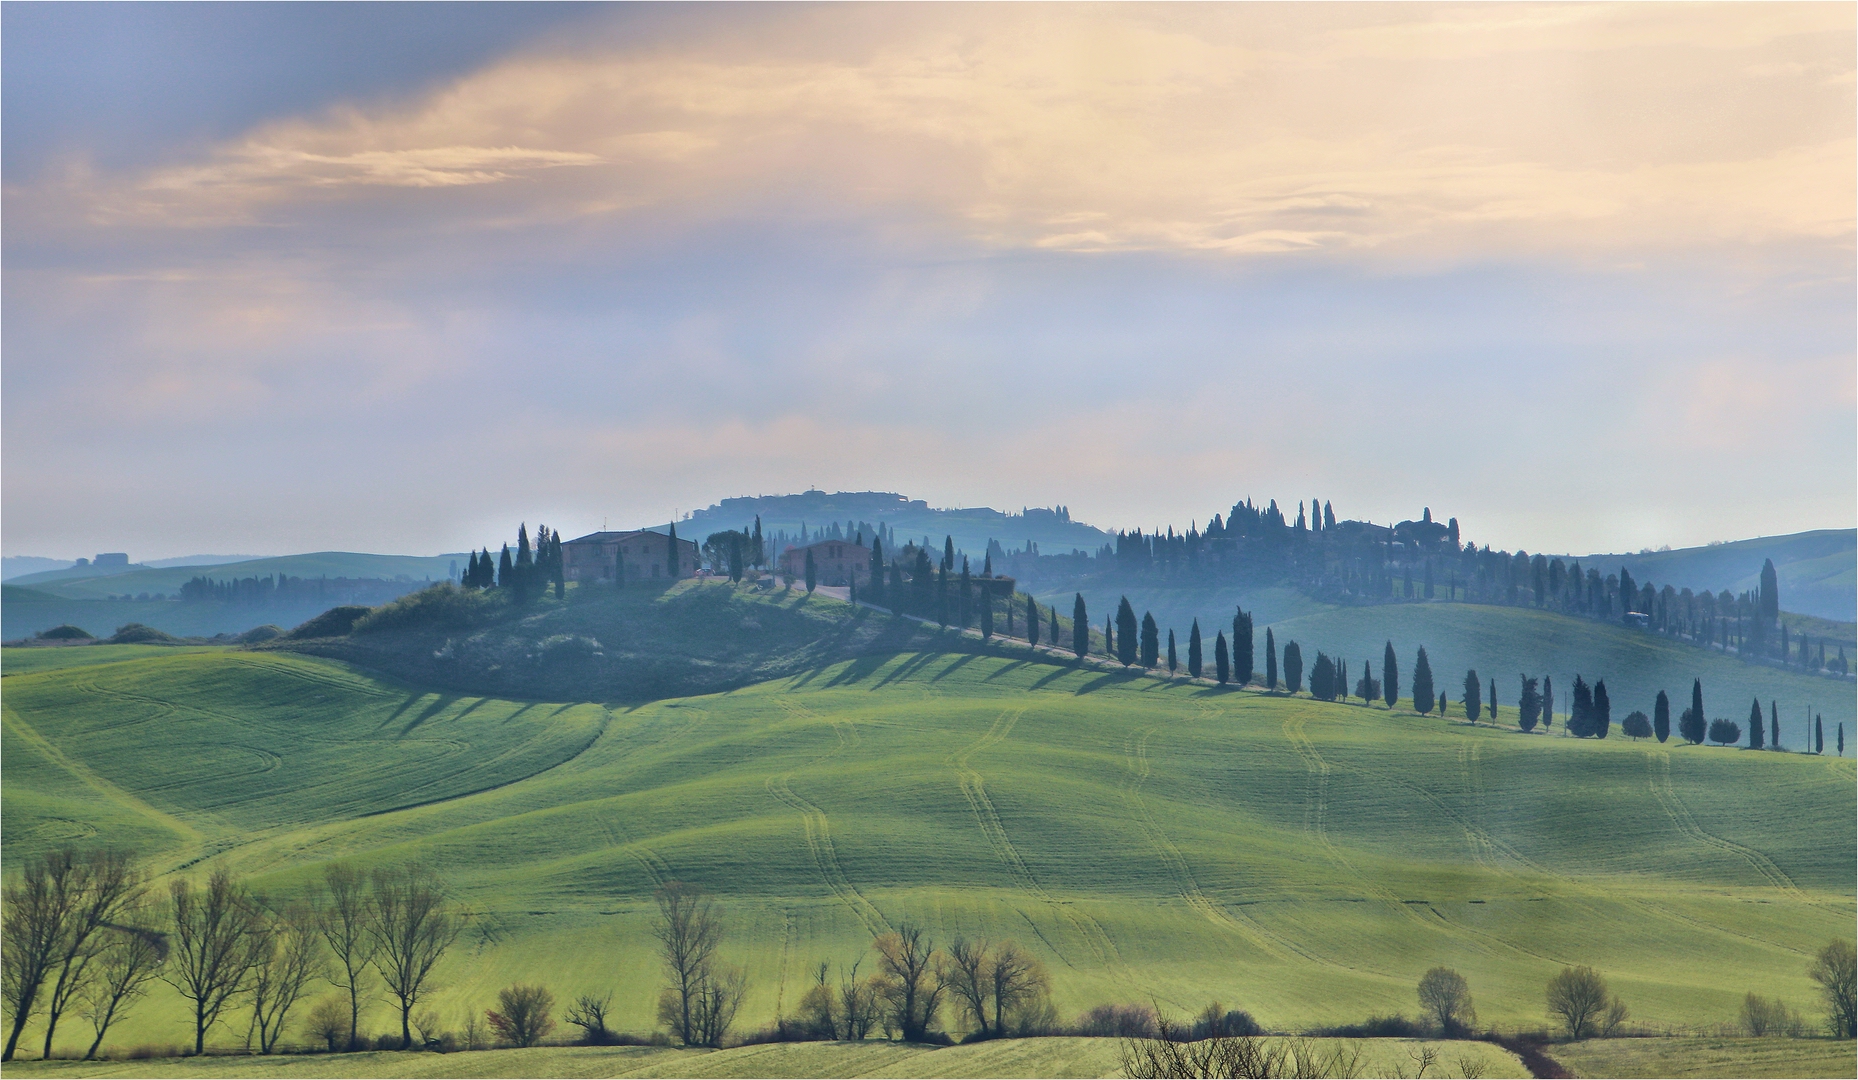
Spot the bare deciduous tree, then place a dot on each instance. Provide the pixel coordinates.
(913, 980)
(36, 910)
(1578, 998)
(858, 1002)
(523, 1014)
(411, 926)
(212, 951)
(589, 1014)
(688, 932)
(1020, 987)
(719, 996)
(970, 977)
(329, 1021)
(1835, 969)
(121, 974)
(343, 922)
(289, 955)
(1444, 994)
(97, 887)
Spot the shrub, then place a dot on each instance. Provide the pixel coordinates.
(258, 635)
(1636, 725)
(137, 634)
(336, 622)
(1768, 1016)
(440, 607)
(1120, 1021)
(1216, 1021)
(1724, 732)
(1376, 1027)
(521, 1017)
(66, 632)
(328, 1021)
(589, 1014)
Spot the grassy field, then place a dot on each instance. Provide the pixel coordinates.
(1708, 1056)
(1055, 1057)
(1149, 840)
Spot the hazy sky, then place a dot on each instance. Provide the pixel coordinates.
(392, 278)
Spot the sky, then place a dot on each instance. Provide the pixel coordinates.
(395, 277)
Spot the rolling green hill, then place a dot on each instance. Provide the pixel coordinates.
(1501, 642)
(1149, 839)
(78, 585)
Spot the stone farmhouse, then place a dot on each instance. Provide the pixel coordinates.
(835, 562)
(647, 556)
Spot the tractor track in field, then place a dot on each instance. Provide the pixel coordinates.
(1316, 815)
(1658, 766)
(817, 828)
(993, 829)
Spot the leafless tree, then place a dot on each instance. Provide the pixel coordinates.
(913, 979)
(289, 955)
(410, 926)
(343, 919)
(589, 1014)
(858, 1002)
(36, 912)
(1578, 998)
(130, 960)
(718, 998)
(1835, 969)
(213, 947)
(328, 1021)
(97, 887)
(970, 975)
(473, 1030)
(1019, 984)
(688, 932)
(1446, 996)
(522, 1016)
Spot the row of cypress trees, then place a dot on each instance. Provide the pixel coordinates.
(528, 573)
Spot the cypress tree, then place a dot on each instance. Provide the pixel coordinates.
(1322, 677)
(1774, 723)
(1151, 641)
(987, 616)
(963, 598)
(1126, 641)
(1493, 700)
(1293, 667)
(1602, 710)
(524, 557)
(1548, 702)
(1032, 621)
(948, 553)
(1270, 660)
(1390, 676)
(1194, 664)
(1661, 717)
(941, 597)
(758, 552)
(1841, 738)
(1528, 705)
(1423, 698)
(1171, 655)
(674, 557)
(1819, 734)
(1053, 636)
(876, 576)
(1242, 669)
(1442, 704)
(1473, 696)
(506, 571)
(1756, 725)
(1580, 709)
(1769, 600)
(1109, 638)
(1009, 611)
(1696, 707)
(1080, 627)
(1221, 659)
(812, 574)
(1341, 679)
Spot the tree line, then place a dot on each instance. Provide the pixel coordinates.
(528, 572)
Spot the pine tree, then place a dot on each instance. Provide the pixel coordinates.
(1423, 698)
(1493, 700)
(1151, 641)
(1602, 715)
(1661, 717)
(1270, 660)
(812, 572)
(1221, 660)
(1473, 696)
(1171, 655)
(1390, 676)
(1126, 642)
(1032, 621)
(1756, 725)
(1080, 627)
(1293, 667)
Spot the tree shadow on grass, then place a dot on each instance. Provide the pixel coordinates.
(965, 660)
(445, 701)
(910, 667)
(1111, 678)
(858, 671)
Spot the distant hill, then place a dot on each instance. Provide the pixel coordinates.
(972, 527)
(168, 580)
(20, 565)
(1818, 570)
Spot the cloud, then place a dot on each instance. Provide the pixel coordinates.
(1458, 133)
